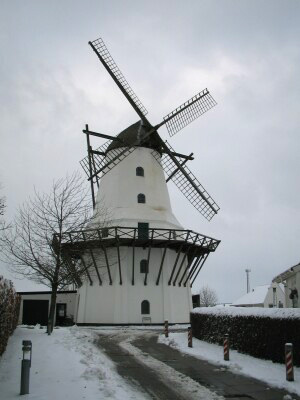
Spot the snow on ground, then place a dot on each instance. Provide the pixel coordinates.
(267, 371)
(65, 366)
(180, 383)
(248, 311)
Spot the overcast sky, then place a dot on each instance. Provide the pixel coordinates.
(247, 148)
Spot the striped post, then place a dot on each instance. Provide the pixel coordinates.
(190, 337)
(289, 365)
(166, 329)
(226, 347)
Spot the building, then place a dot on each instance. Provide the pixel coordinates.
(291, 280)
(262, 296)
(35, 306)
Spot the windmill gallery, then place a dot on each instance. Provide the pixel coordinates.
(140, 266)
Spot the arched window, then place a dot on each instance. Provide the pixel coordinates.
(139, 171)
(145, 307)
(141, 198)
(144, 267)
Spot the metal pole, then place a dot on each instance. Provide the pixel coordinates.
(226, 347)
(25, 374)
(289, 365)
(248, 279)
(166, 329)
(190, 337)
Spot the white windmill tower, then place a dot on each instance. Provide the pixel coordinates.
(143, 264)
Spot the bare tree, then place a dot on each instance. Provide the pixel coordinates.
(208, 297)
(27, 245)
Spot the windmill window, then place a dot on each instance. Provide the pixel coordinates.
(144, 267)
(139, 171)
(141, 198)
(145, 307)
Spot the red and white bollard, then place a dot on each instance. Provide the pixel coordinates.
(289, 365)
(190, 337)
(226, 347)
(166, 329)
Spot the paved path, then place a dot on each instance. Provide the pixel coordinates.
(157, 385)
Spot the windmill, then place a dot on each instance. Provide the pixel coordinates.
(174, 164)
(141, 267)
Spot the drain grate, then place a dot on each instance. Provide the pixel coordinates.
(237, 396)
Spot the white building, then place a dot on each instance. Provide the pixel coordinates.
(291, 280)
(262, 296)
(141, 266)
(35, 307)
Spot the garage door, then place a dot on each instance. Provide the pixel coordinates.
(35, 312)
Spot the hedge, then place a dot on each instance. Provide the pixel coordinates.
(9, 311)
(261, 333)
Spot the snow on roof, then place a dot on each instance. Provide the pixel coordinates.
(257, 296)
(251, 311)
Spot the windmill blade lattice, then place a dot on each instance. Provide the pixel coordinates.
(106, 59)
(189, 111)
(190, 187)
(105, 162)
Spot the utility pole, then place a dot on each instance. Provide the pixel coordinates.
(248, 279)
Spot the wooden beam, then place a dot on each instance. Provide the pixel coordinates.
(188, 266)
(107, 264)
(199, 268)
(176, 261)
(148, 259)
(162, 260)
(86, 270)
(181, 264)
(133, 255)
(119, 258)
(88, 132)
(95, 266)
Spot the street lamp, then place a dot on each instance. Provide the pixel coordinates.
(26, 364)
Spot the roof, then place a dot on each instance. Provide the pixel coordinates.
(129, 136)
(286, 274)
(257, 296)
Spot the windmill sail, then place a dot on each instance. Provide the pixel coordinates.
(189, 111)
(108, 62)
(103, 161)
(188, 184)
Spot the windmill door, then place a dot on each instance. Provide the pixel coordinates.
(143, 230)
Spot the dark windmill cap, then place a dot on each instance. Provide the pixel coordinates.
(130, 135)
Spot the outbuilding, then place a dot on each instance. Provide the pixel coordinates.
(35, 307)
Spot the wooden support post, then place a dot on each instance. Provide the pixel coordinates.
(86, 270)
(162, 260)
(95, 266)
(118, 252)
(179, 269)
(133, 255)
(107, 264)
(199, 268)
(148, 258)
(176, 261)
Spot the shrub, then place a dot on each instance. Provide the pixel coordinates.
(9, 311)
(260, 333)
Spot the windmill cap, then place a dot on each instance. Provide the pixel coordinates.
(129, 136)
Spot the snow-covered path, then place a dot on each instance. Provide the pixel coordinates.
(65, 366)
